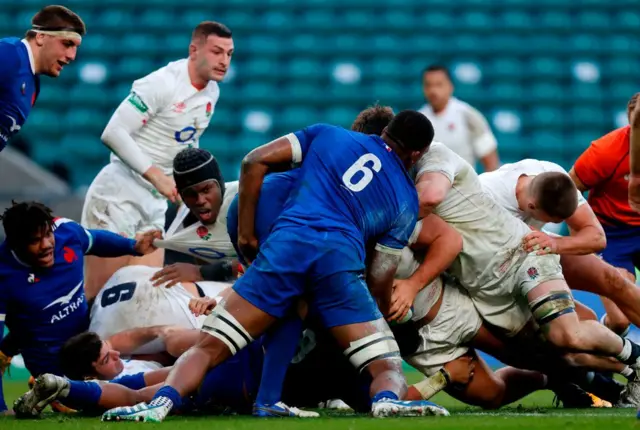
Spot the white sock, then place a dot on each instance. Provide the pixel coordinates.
(626, 351)
(627, 372)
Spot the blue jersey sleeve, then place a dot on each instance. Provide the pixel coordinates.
(101, 243)
(301, 141)
(10, 60)
(398, 236)
(80, 233)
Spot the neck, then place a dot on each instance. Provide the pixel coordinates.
(35, 52)
(522, 191)
(197, 82)
(439, 109)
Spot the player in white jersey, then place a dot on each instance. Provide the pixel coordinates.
(456, 123)
(165, 111)
(506, 283)
(200, 226)
(128, 312)
(540, 191)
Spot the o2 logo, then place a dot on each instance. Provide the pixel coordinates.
(206, 253)
(186, 135)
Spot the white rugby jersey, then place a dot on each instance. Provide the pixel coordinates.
(174, 112)
(463, 129)
(207, 242)
(429, 295)
(129, 300)
(491, 236)
(131, 367)
(501, 184)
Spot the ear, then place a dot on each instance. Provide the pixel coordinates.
(531, 206)
(40, 39)
(192, 50)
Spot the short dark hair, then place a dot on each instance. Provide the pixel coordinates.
(437, 68)
(24, 220)
(55, 17)
(78, 355)
(411, 130)
(373, 120)
(208, 28)
(555, 194)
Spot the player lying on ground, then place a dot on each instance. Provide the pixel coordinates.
(50, 44)
(329, 251)
(47, 252)
(538, 192)
(166, 110)
(498, 272)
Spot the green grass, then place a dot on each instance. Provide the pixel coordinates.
(532, 413)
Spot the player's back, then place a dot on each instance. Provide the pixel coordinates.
(19, 87)
(129, 300)
(350, 183)
(492, 237)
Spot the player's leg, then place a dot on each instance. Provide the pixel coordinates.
(592, 274)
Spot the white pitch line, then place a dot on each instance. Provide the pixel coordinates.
(546, 414)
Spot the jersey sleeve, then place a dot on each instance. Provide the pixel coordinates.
(10, 60)
(400, 234)
(301, 141)
(553, 167)
(150, 94)
(80, 233)
(438, 159)
(598, 162)
(482, 139)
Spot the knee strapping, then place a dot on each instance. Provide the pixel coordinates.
(377, 346)
(222, 325)
(550, 306)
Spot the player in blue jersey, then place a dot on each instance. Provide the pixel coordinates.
(352, 189)
(50, 44)
(42, 298)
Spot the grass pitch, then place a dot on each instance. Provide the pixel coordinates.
(535, 412)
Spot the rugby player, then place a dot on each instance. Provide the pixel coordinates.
(47, 252)
(326, 184)
(462, 127)
(497, 271)
(166, 111)
(538, 192)
(50, 44)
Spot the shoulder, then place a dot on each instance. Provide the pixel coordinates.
(548, 166)
(426, 110)
(65, 227)
(618, 139)
(213, 90)
(162, 80)
(10, 48)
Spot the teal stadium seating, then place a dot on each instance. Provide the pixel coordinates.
(565, 69)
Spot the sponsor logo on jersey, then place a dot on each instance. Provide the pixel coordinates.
(203, 233)
(532, 272)
(179, 107)
(209, 109)
(206, 253)
(14, 124)
(67, 304)
(185, 135)
(137, 102)
(32, 278)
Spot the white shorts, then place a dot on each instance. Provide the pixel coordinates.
(506, 306)
(446, 337)
(117, 201)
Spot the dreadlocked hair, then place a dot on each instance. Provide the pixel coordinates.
(23, 220)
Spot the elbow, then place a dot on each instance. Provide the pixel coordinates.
(429, 200)
(600, 241)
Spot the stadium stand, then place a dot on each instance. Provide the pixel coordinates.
(550, 75)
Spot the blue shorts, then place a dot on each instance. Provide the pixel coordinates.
(322, 266)
(273, 195)
(623, 247)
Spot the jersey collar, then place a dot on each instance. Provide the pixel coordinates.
(32, 63)
(18, 260)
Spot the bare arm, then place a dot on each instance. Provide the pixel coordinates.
(274, 156)
(587, 235)
(579, 185)
(634, 156)
(432, 189)
(443, 244)
(126, 342)
(490, 162)
(380, 274)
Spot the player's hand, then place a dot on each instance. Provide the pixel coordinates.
(5, 363)
(163, 183)
(144, 241)
(248, 246)
(202, 306)
(177, 272)
(540, 242)
(404, 292)
(634, 192)
(461, 370)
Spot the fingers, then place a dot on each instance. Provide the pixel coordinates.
(398, 311)
(202, 306)
(165, 275)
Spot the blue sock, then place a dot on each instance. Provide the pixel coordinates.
(280, 345)
(83, 394)
(170, 393)
(384, 395)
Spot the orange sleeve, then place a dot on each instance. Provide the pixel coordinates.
(598, 162)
